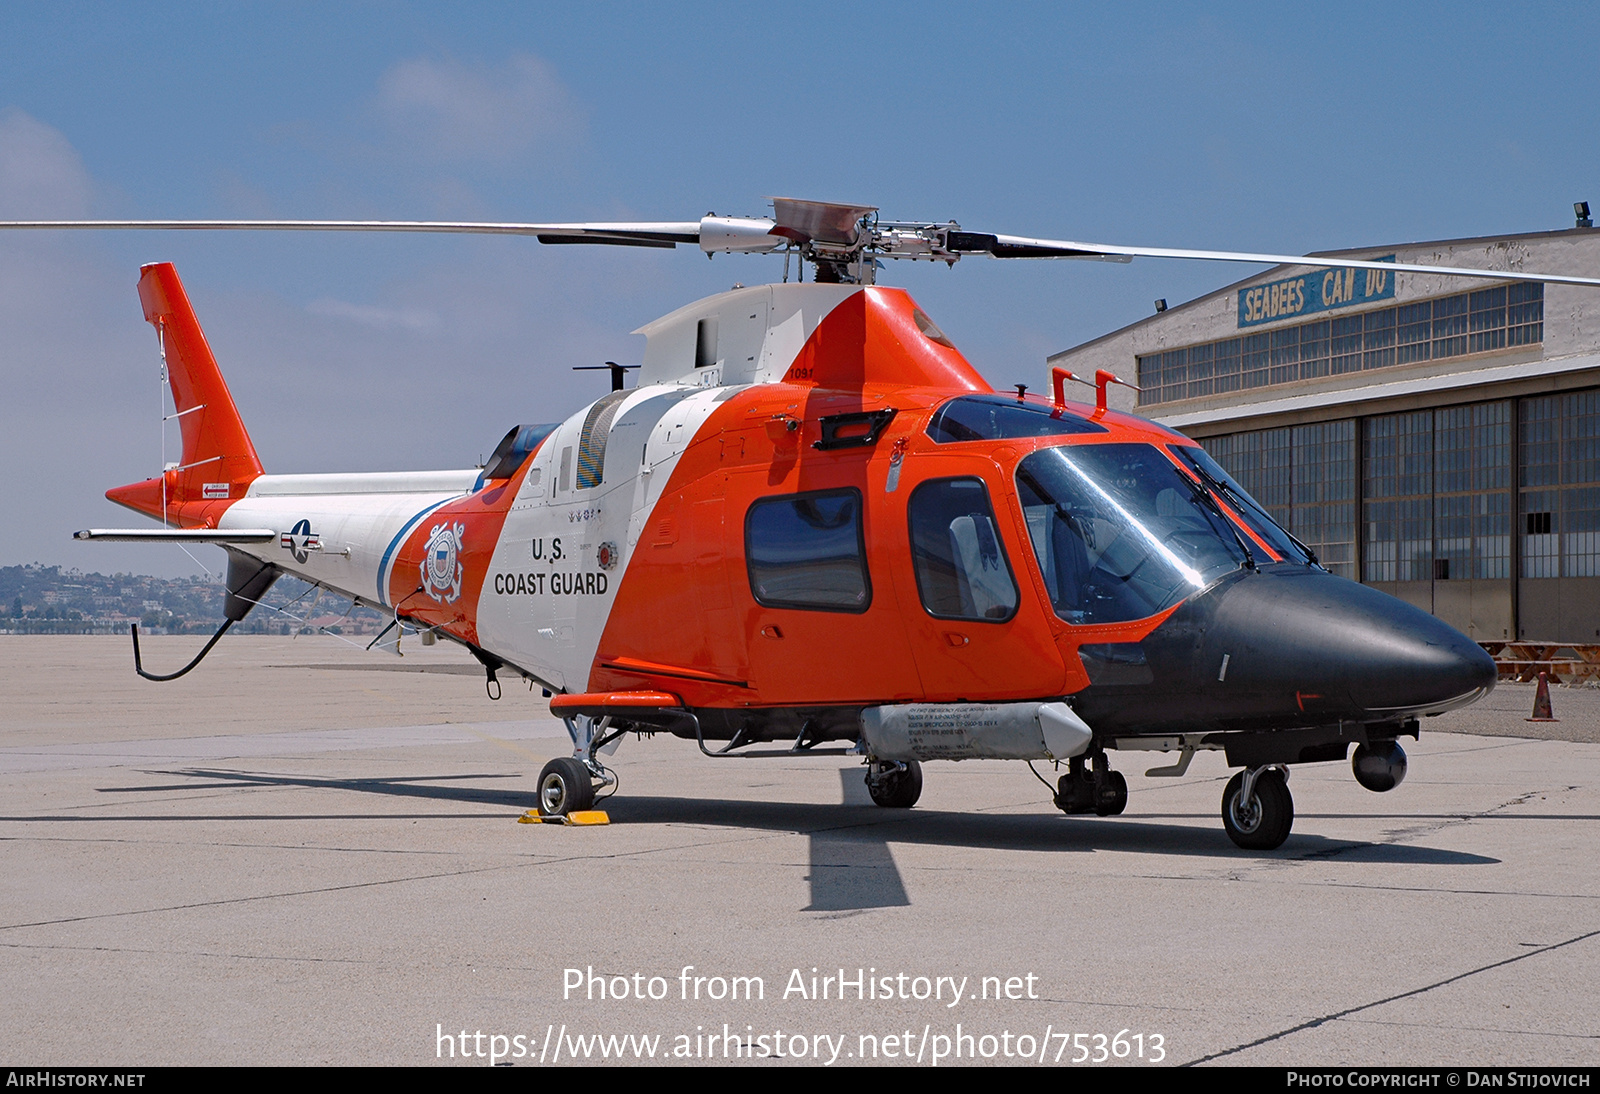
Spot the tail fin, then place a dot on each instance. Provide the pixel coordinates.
(218, 461)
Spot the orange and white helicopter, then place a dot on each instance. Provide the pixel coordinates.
(813, 526)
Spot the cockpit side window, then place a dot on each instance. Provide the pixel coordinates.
(1119, 532)
(960, 561)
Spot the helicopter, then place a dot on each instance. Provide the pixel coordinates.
(812, 528)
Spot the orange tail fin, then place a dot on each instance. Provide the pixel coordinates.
(218, 461)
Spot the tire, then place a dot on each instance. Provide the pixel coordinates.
(1075, 793)
(1263, 823)
(565, 787)
(1113, 799)
(899, 789)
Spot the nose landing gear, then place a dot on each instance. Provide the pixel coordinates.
(1257, 810)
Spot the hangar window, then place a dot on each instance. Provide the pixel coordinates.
(1426, 330)
(1437, 491)
(808, 551)
(1304, 476)
(1560, 485)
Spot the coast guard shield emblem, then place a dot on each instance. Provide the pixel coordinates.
(441, 563)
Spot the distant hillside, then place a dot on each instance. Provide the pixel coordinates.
(50, 600)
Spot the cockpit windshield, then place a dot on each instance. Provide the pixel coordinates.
(1119, 532)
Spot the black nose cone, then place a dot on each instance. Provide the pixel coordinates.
(1340, 648)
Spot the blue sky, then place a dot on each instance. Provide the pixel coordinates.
(1257, 127)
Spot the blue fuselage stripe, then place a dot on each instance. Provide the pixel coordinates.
(394, 544)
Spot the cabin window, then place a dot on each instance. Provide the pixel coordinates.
(961, 564)
(808, 551)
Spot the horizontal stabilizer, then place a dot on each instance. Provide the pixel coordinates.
(178, 535)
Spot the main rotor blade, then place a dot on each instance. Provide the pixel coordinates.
(711, 233)
(724, 234)
(1021, 247)
(635, 233)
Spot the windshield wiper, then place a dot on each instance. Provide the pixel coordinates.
(1245, 505)
(1206, 498)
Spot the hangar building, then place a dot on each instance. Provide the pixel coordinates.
(1436, 437)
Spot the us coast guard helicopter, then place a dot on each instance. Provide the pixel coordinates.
(813, 528)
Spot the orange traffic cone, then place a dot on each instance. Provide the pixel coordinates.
(1541, 702)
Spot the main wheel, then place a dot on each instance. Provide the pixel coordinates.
(1263, 822)
(898, 789)
(1111, 798)
(1075, 791)
(564, 787)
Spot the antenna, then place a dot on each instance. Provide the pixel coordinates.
(618, 372)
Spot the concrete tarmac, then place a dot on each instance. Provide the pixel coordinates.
(303, 853)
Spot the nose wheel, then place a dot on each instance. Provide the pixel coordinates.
(1257, 809)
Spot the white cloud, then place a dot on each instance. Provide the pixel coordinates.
(477, 112)
(417, 320)
(41, 174)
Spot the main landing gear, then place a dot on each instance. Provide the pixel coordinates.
(894, 785)
(1092, 789)
(568, 785)
(1257, 810)
(565, 786)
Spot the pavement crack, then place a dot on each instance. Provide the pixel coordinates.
(1402, 834)
(227, 844)
(380, 882)
(1234, 876)
(1313, 1023)
(190, 953)
(1478, 1029)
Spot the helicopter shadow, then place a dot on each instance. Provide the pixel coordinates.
(424, 787)
(851, 865)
